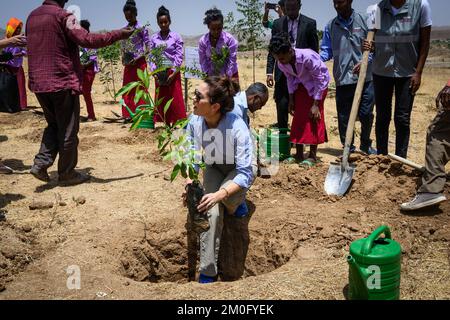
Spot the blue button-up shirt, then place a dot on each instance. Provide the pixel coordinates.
(229, 144)
(241, 107)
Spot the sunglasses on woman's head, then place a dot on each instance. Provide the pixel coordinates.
(198, 95)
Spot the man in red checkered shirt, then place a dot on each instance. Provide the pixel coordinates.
(55, 76)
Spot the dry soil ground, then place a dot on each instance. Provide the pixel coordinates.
(128, 237)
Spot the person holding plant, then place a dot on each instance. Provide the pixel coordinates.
(218, 49)
(168, 81)
(15, 41)
(134, 51)
(227, 153)
(307, 79)
(14, 66)
(89, 63)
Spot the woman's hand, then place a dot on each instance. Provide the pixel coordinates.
(211, 199)
(18, 41)
(184, 194)
(314, 114)
(170, 79)
(291, 105)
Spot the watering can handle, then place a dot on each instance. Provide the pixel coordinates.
(373, 237)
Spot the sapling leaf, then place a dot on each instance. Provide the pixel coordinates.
(184, 170)
(167, 106)
(138, 96)
(140, 75)
(175, 172)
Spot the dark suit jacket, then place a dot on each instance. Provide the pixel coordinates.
(307, 38)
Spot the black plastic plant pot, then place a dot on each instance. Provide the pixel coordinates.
(127, 58)
(199, 220)
(163, 76)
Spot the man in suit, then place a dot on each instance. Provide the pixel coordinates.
(302, 33)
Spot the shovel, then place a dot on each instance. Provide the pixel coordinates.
(340, 176)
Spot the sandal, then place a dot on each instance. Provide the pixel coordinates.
(308, 163)
(292, 160)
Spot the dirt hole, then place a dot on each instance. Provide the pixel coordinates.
(163, 257)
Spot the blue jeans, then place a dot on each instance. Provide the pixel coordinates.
(344, 101)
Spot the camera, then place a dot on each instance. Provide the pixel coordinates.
(272, 6)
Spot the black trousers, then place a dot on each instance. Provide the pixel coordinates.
(404, 100)
(62, 112)
(344, 102)
(282, 102)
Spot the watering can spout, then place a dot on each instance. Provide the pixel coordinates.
(132, 114)
(360, 277)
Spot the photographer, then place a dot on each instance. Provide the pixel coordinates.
(278, 8)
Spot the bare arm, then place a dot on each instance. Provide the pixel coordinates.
(92, 40)
(17, 41)
(424, 49)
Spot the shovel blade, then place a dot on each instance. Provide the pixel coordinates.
(338, 180)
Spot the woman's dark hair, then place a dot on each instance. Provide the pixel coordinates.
(280, 44)
(211, 15)
(130, 6)
(282, 3)
(222, 91)
(85, 24)
(163, 11)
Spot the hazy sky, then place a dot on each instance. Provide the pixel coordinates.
(187, 15)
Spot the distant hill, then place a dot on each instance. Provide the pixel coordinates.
(440, 33)
(191, 41)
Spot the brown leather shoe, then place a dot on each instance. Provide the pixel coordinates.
(40, 174)
(73, 178)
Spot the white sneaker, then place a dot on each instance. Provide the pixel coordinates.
(423, 200)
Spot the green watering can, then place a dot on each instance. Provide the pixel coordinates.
(375, 267)
(275, 143)
(147, 121)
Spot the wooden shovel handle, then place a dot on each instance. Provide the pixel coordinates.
(356, 102)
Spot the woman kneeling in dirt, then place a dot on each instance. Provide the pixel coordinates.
(227, 153)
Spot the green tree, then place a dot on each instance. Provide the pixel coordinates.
(109, 59)
(249, 29)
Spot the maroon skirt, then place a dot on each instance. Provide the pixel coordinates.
(130, 75)
(304, 130)
(177, 109)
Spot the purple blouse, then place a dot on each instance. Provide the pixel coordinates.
(204, 50)
(90, 55)
(17, 61)
(312, 73)
(173, 48)
(136, 46)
